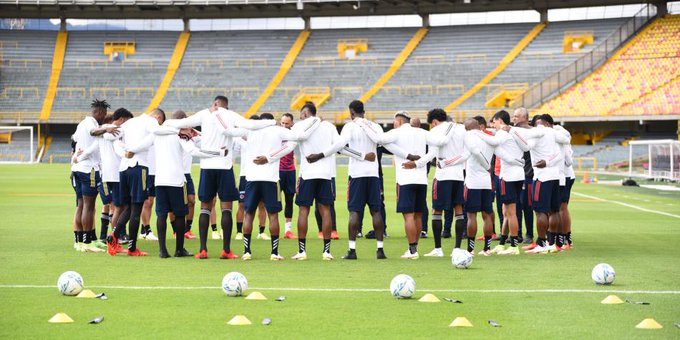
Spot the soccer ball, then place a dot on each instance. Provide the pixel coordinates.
(402, 286)
(461, 259)
(234, 284)
(603, 274)
(70, 283)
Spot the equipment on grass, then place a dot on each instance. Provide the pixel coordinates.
(603, 274)
(429, 298)
(87, 294)
(239, 320)
(234, 284)
(611, 300)
(649, 324)
(403, 286)
(70, 283)
(460, 321)
(461, 259)
(255, 296)
(96, 320)
(60, 318)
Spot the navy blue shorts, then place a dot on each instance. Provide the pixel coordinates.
(108, 191)
(261, 191)
(362, 191)
(190, 185)
(287, 181)
(477, 200)
(565, 191)
(546, 196)
(152, 185)
(171, 199)
(321, 191)
(133, 185)
(446, 194)
(510, 191)
(411, 198)
(242, 181)
(86, 184)
(217, 182)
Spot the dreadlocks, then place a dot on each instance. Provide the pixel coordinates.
(100, 104)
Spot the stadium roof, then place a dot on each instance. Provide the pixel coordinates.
(177, 9)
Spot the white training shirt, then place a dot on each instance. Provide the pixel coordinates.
(361, 144)
(321, 139)
(110, 161)
(262, 142)
(170, 150)
(447, 144)
(477, 175)
(89, 159)
(402, 141)
(240, 146)
(508, 153)
(217, 131)
(136, 135)
(542, 142)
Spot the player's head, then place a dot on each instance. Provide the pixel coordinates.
(121, 115)
(534, 119)
(99, 109)
(520, 116)
(472, 124)
(179, 114)
(481, 121)
(356, 109)
(436, 117)
(308, 110)
(158, 114)
(415, 122)
(545, 120)
(501, 117)
(287, 120)
(267, 116)
(255, 117)
(108, 119)
(401, 118)
(221, 101)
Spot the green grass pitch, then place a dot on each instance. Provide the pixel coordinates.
(340, 299)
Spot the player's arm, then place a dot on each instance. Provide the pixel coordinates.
(301, 133)
(191, 121)
(119, 148)
(89, 151)
(475, 152)
(562, 136)
(190, 148)
(143, 145)
(430, 155)
(376, 136)
(276, 154)
(522, 137)
(488, 139)
(106, 128)
(555, 159)
(163, 130)
(508, 158)
(235, 132)
(242, 122)
(454, 160)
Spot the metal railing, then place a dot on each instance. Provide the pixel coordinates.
(550, 87)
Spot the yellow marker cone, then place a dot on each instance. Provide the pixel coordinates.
(649, 324)
(429, 298)
(60, 318)
(612, 300)
(460, 321)
(239, 320)
(255, 296)
(88, 294)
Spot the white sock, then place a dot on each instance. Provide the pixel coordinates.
(380, 244)
(352, 244)
(288, 225)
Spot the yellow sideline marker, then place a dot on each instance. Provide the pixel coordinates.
(460, 321)
(88, 294)
(649, 324)
(239, 320)
(255, 296)
(60, 318)
(612, 300)
(429, 298)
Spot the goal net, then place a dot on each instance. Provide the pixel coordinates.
(654, 159)
(16, 144)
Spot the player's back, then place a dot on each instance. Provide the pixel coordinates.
(507, 145)
(455, 146)
(412, 141)
(169, 155)
(212, 138)
(359, 141)
(477, 174)
(320, 140)
(260, 143)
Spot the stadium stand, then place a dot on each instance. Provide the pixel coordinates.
(647, 64)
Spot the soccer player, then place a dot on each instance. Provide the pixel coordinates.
(264, 152)
(287, 180)
(406, 143)
(187, 160)
(136, 138)
(546, 155)
(446, 141)
(565, 190)
(364, 183)
(170, 148)
(520, 118)
(511, 180)
(110, 163)
(415, 122)
(85, 172)
(146, 233)
(218, 125)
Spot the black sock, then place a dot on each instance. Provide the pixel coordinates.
(541, 242)
(239, 227)
(275, 244)
(213, 226)
(246, 243)
(93, 235)
(105, 225)
(551, 238)
(504, 238)
(203, 222)
(227, 226)
(135, 213)
(413, 247)
(302, 243)
(559, 240)
(437, 230)
(180, 229)
(187, 227)
(471, 244)
(123, 219)
(326, 245)
(569, 238)
(146, 228)
(460, 230)
(86, 237)
(161, 228)
(261, 229)
(75, 237)
(487, 243)
(514, 240)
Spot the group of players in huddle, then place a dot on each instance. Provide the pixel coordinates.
(525, 165)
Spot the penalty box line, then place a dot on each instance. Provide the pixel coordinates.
(297, 289)
(626, 205)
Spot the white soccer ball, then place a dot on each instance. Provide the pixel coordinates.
(70, 283)
(603, 274)
(461, 259)
(402, 286)
(234, 284)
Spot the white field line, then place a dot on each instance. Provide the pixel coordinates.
(627, 205)
(297, 289)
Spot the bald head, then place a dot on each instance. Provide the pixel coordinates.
(471, 124)
(179, 114)
(159, 114)
(415, 122)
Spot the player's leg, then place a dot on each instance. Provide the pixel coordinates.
(191, 205)
(227, 193)
(448, 223)
(510, 198)
(303, 199)
(527, 211)
(213, 222)
(139, 192)
(252, 197)
(271, 199)
(441, 200)
(324, 195)
(89, 188)
(374, 205)
(207, 190)
(319, 220)
(488, 218)
(412, 232)
(473, 205)
(356, 199)
(288, 214)
(240, 213)
(78, 225)
(262, 219)
(334, 219)
(555, 221)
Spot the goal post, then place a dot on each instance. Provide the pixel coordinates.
(654, 159)
(17, 144)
